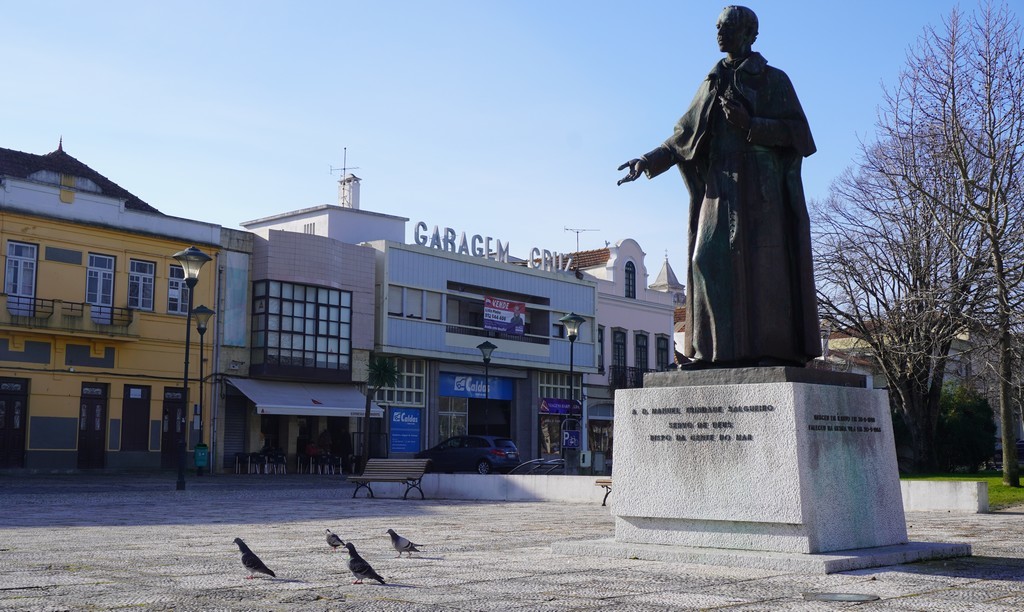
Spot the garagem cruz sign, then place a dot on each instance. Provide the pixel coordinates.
(447, 239)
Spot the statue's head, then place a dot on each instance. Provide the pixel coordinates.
(737, 30)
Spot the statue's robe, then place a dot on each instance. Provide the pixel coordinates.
(750, 296)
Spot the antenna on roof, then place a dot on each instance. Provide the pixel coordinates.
(348, 185)
(344, 165)
(578, 230)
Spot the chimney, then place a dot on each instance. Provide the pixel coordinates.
(348, 191)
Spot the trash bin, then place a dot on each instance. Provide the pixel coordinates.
(202, 455)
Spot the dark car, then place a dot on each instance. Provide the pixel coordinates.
(480, 454)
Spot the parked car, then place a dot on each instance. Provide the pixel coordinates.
(480, 454)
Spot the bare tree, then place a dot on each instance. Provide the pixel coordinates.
(936, 201)
(972, 85)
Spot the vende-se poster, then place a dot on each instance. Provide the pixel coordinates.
(504, 315)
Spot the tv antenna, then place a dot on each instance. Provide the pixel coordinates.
(578, 230)
(344, 165)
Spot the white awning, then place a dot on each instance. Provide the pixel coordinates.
(305, 399)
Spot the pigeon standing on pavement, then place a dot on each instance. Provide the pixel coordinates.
(334, 540)
(251, 561)
(360, 568)
(402, 545)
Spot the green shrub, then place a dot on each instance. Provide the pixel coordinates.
(966, 431)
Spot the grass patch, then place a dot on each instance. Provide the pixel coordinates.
(999, 495)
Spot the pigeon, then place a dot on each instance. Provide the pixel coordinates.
(401, 544)
(360, 568)
(334, 540)
(251, 561)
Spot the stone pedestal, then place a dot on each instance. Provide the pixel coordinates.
(771, 466)
(760, 461)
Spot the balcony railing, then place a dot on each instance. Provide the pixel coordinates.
(622, 377)
(59, 315)
(489, 333)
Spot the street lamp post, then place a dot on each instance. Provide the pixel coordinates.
(202, 315)
(572, 322)
(486, 348)
(192, 261)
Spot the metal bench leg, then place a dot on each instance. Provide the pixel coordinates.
(360, 485)
(410, 485)
(607, 492)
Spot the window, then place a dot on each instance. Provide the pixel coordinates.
(433, 301)
(600, 348)
(413, 303)
(618, 348)
(555, 384)
(661, 352)
(20, 278)
(301, 326)
(640, 358)
(140, 284)
(309, 228)
(411, 384)
(177, 291)
(452, 416)
(99, 287)
(630, 279)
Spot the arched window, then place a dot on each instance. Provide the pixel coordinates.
(630, 280)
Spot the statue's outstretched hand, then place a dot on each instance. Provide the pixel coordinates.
(636, 168)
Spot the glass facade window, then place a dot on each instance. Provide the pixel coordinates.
(411, 387)
(301, 326)
(177, 291)
(141, 278)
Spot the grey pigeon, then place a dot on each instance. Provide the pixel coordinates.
(360, 568)
(251, 561)
(401, 544)
(334, 540)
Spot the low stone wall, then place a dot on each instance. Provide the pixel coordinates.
(500, 487)
(945, 495)
(918, 495)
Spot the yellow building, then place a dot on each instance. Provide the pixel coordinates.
(93, 321)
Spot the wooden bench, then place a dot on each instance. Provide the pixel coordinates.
(607, 484)
(408, 471)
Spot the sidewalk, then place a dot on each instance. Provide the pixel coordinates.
(73, 542)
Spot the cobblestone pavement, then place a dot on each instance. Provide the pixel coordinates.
(103, 542)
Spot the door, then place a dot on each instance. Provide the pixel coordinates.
(13, 415)
(92, 427)
(172, 427)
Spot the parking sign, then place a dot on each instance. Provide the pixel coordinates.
(570, 438)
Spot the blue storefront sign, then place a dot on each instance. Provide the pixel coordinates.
(405, 430)
(471, 385)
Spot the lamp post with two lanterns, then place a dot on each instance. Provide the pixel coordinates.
(192, 261)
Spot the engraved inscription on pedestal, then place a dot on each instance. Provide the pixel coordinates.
(779, 466)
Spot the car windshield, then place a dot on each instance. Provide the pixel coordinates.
(505, 443)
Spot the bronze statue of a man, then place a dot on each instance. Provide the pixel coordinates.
(750, 297)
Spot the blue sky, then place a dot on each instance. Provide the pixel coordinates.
(505, 119)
